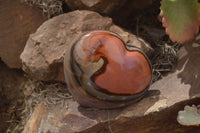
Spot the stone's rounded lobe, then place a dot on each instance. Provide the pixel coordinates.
(130, 76)
(102, 72)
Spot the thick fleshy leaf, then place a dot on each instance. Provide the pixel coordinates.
(181, 18)
(190, 116)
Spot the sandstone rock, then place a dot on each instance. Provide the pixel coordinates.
(11, 82)
(44, 52)
(164, 121)
(140, 4)
(36, 119)
(108, 7)
(101, 6)
(17, 21)
(157, 112)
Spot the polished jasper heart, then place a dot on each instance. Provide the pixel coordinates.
(105, 61)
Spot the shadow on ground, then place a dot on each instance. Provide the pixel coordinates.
(189, 64)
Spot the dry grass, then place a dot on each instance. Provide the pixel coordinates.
(164, 60)
(49, 7)
(35, 92)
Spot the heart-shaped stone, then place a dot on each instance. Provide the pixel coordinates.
(110, 66)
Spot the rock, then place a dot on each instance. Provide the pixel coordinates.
(164, 121)
(108, 7)
(71, 118)
(43, 55)
(11, 82)
(101, 6)
(140, 4)
(156, 113)
(35, 119)
(17, 21)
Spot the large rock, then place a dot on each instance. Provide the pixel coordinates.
(155, 113)
(11, 82)
(17, 21)
(43, 55)
(108, 7)
(101, 6)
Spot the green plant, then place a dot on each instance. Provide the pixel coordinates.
(181, 18)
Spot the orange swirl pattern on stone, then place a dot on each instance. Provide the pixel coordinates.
(124, 71)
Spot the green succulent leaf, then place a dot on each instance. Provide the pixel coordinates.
(181, 18)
